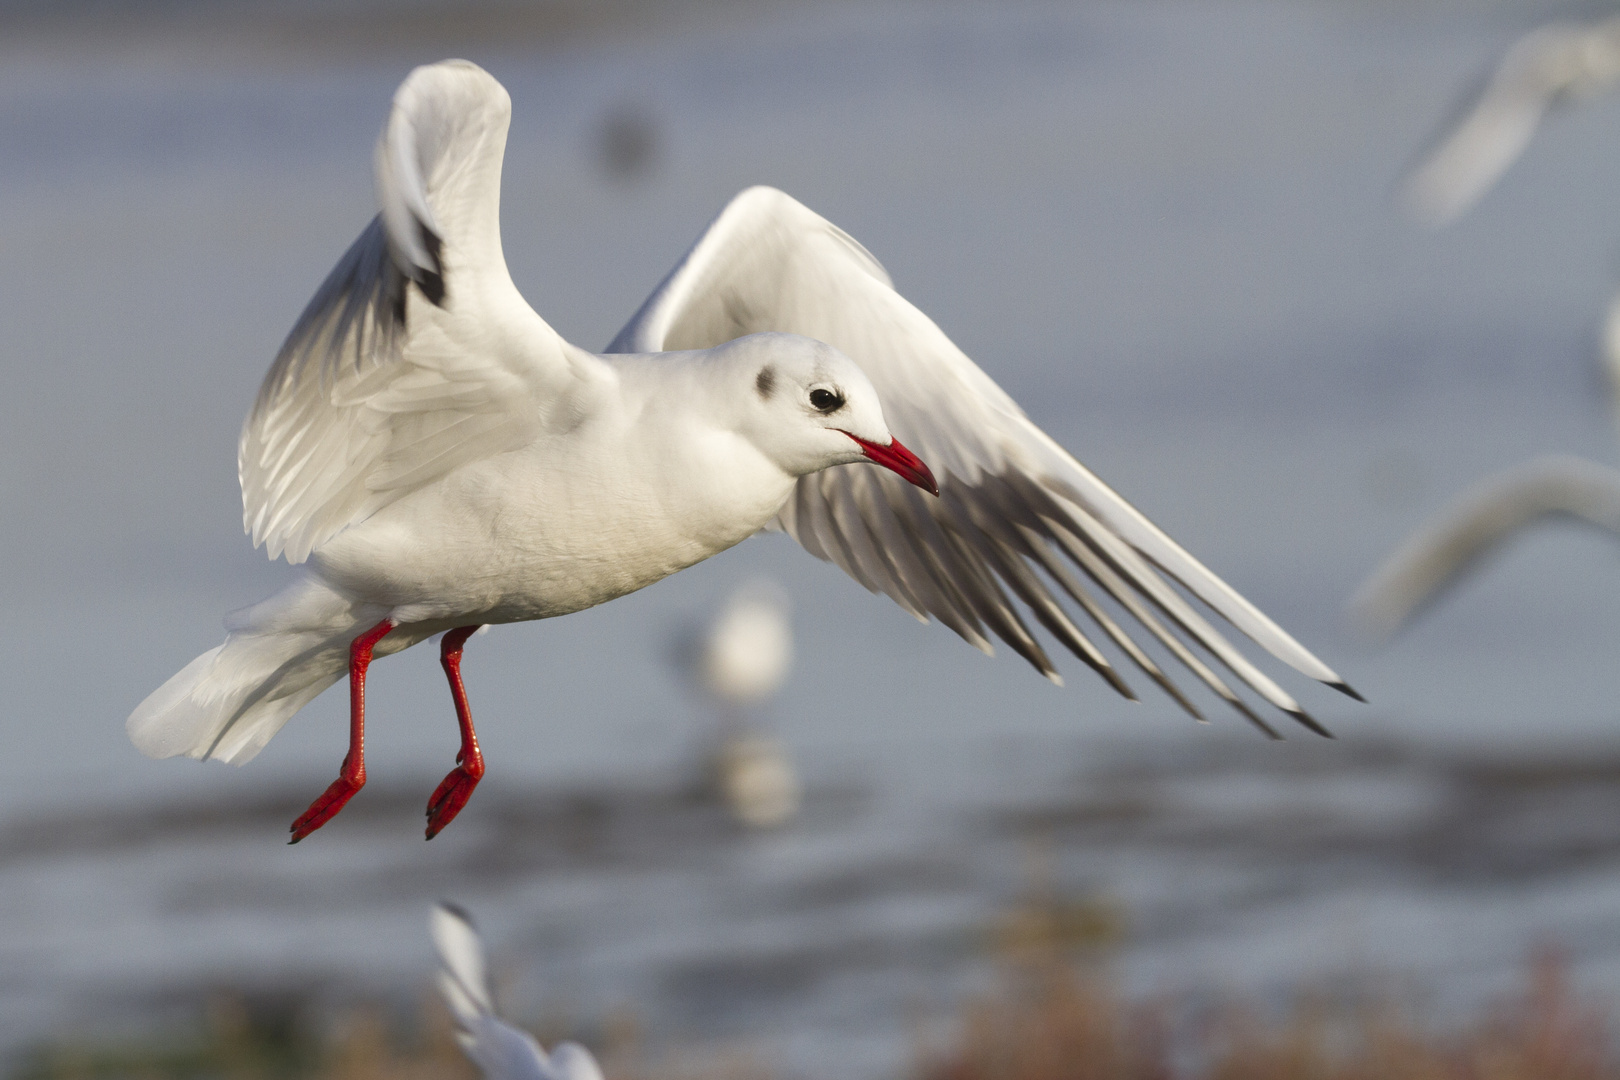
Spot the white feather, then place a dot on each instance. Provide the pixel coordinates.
(769, 263)
(501, 1051)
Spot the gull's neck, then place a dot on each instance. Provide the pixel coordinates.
(683, 422)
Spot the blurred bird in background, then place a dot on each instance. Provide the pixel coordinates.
(1548, 67)
(739, 665)
(501, 1051)
(1552, 65)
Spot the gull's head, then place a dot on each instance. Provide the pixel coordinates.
(810, 407)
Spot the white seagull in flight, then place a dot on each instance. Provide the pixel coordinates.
(435, 457)
(501, 1051)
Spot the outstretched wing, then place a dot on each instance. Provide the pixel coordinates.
(417, 354)
(1013, 504)
(500, 1051)
(1547, 65)
(1475, 523)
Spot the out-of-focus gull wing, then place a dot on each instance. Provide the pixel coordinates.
(1013, 503)
(501, 1051)
(1477, 521)
(417, 354)
(1557, 62)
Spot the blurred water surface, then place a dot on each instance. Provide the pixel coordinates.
(1164, 228)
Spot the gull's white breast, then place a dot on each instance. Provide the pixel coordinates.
(633, 493)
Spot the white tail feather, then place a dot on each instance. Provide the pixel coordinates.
(227, 703)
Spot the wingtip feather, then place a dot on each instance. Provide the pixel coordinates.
(1306, 720)
(1348, 691)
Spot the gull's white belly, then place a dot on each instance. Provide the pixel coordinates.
(526, 536)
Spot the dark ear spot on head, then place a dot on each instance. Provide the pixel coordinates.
(765, 381)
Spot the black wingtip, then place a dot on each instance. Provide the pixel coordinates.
(1305, 719)
(457, 910)
(1120, 686)
(1175, 693)
(432, 286)
(1254, 718)
(431, 279)
(1348, 691)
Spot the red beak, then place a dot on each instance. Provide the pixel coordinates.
(897, 458)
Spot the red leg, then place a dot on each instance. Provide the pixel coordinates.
(455, 789)
(352, 777)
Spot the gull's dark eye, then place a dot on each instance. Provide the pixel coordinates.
(826, 400)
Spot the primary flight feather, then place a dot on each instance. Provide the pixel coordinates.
(434, 457)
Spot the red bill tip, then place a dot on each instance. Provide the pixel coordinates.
(900, 460)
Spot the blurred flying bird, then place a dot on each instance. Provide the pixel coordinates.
(1478, 521)
(435, 457)
(501, 1051)
(1557, 63)
(1553, 64)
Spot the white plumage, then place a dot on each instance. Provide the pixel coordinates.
(501, 1051)
(436, 457)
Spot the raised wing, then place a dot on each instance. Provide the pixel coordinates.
(1552, 63)
(1013, 504)
(417, 354)
(501, 1051)
(1475, 523)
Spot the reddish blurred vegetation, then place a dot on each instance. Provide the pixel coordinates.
(1050, 1020)
(1050, 1023)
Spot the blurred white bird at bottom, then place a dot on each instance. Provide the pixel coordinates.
(501, 1051)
